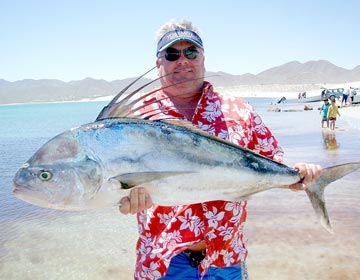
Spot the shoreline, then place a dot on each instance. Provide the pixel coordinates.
(350, 113)
(276, 91)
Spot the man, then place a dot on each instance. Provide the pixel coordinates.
(204, 239)
(352, 94)
(345, 97)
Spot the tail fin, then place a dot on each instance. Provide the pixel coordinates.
(315, 191)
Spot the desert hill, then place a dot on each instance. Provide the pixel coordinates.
(292, 75)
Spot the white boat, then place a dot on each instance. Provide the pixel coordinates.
(325, 93)
(332, 92)
(315, 98)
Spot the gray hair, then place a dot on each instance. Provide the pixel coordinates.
(175, 25)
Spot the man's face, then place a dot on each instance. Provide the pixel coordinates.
(182, 69)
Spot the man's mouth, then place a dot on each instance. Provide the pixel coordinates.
(182, 70)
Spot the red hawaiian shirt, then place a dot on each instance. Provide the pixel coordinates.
(167, 231)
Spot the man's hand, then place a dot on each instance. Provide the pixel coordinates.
(308, 173)
(138, 201)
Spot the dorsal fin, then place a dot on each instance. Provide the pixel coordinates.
(114, 106)
(121, 106)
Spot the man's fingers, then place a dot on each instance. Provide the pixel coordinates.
(141, 200)
(124, 205)
(134, 201)
(138, 201)
(308, 172)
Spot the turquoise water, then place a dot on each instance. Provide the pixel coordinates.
(47, 244)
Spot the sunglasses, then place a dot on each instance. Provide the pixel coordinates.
(172, 54)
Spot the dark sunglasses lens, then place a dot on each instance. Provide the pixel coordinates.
(191, 53)
(172, 54)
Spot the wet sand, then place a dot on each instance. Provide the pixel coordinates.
(285, 239)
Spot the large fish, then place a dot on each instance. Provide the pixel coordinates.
(96, 164)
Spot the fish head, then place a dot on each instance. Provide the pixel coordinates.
(62, 174)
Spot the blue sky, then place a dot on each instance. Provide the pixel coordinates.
(75, 39)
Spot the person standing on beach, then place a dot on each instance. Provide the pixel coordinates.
(345, 97)
(203, 239)
(333, 111)
(352, 94)
(324, 110)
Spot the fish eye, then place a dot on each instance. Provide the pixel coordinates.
(45, 175)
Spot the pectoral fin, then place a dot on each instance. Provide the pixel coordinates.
(130, 180)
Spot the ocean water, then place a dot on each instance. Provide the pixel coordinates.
(38, 243)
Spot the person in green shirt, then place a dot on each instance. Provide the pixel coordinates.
(324, 110)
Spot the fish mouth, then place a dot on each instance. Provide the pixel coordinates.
(19, 189)
(22, 192)
(30, 196)
(26, 192)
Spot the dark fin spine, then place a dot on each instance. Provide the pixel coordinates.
(132, 109)
(124, 109)
(128, 86)
(105, 110)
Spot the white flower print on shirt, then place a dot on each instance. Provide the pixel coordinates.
(170, 239)
(244, 113)
(226, 232)
(209, 259)
(236, 134)
(211, 235)
(143, 217)
(213, 217)
(193, 223)
(238, 248)
(228, 257)
(151, 272)
(212, 111)
(147, 247)
(224, 134)
(259, 127)
(210, 95)
(167, 218)
(208, 128)
(236, 208)
(143, 251)
(265, 144)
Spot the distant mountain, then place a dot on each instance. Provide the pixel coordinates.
(49, 90)
(320, 71)
(311, 72)
(44, 90)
